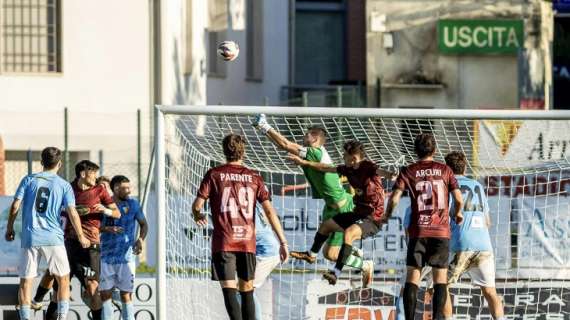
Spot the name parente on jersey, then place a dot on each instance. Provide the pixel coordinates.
(236, 177)
(428, 173)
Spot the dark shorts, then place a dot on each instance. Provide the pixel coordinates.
(433, 252)
(368, 226)
(226, 264)
(85, 264)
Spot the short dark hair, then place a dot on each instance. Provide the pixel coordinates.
(85, 165)
(354, 147)
(424, 145)
(51, 156)
(103, 179)
(118, 179)
(234, 147)
(457, 161)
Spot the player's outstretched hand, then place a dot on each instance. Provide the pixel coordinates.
(284, 253)
(296, 159)
(10, 235)
(259, 120)
(137, 248)
(85, 243)
(201, 220)
(459, 218)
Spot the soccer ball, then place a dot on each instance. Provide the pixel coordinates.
(228, 50)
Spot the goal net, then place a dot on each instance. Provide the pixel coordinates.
(519, 157)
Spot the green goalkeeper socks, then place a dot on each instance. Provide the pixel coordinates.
(354, 261)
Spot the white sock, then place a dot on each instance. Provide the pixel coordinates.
(313, 254)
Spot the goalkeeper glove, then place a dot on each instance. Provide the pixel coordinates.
(261, 123)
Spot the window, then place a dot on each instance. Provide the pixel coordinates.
(254, 39)
(31, 36)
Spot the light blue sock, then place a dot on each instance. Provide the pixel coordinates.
(400, 315)
(25, 312)
(128, 312)
(257, 306)
(62, 309)
(107, 313)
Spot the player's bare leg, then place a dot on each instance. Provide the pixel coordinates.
(63, 294)
(24, 298)
(106, 297)
(93, 295)
(325, 229)
(495, 303)
(43, 288)
(229, 289)
(439, 292)
(127, 312)
(331, 252)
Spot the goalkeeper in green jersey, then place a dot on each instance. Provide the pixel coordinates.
(326, 186)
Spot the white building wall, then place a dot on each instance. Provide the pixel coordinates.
(235, 89)
(182, 84)
(104, 80)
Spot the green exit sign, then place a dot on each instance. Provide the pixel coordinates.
(480, 36)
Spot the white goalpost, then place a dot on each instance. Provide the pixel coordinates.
(522, 158)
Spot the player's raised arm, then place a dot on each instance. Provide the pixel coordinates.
(278, 139)
(273, 219)
(324, 167)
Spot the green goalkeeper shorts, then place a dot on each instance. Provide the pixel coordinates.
(337, 239)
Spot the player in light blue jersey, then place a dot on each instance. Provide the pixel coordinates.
(266, 255)
(471, 248)
(42, 196)
(119, 245)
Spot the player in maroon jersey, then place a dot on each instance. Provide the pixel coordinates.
(92, 202)
(233, 190)
(428, 184)
(365, 220)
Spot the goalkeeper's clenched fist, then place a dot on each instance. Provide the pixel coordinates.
(261, 123)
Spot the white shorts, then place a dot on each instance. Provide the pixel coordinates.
(56, 258)
(479, 265)
(120, 276)
(263, 268)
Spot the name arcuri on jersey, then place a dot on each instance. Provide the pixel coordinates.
(428, 172)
